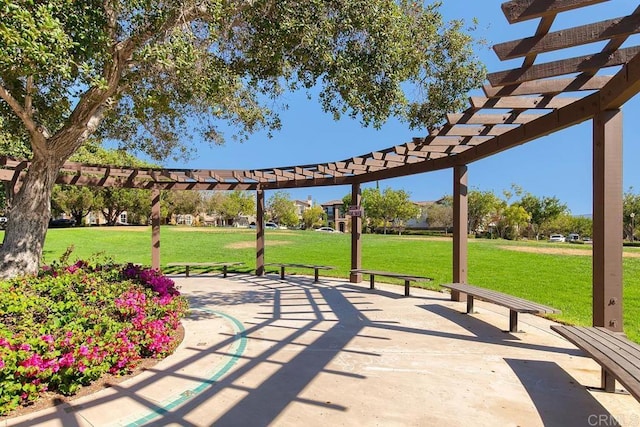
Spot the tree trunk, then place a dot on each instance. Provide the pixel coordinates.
(29, 217)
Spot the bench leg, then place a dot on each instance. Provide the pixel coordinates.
(608, 381)
(469, 303)
(186, 271)
(281, 272)
(406, 288)
(513, 321)
(224, 271)
(371, 281)
(316, 279)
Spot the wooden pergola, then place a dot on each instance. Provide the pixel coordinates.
(519, 105)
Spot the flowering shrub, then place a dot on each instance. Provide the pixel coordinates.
(69, 325)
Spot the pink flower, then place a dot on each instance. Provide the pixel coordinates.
(47, 338)
(67, 360)
(25, 347)
(1, 363)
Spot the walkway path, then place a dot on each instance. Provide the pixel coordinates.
(260, 351)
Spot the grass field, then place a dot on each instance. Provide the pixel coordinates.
(555, 274)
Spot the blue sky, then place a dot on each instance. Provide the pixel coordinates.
(557, 165)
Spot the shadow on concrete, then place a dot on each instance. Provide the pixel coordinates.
(263, 403)
(546, 382)
(484, 332)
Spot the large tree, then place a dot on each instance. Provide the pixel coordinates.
(153, 73)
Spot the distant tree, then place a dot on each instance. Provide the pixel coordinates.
(630, 213)
(212, 202)
(515, 217)
(112, 202)
(282, 210)
(152, 74)
(78, 201)
(564, 223)
(480, 206)
(541, 210)
(389, 206)
(183, 203)
(139, 211)
(439, 215)
(237, 203)
(314, 217)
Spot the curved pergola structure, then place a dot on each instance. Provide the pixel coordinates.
(519, 105)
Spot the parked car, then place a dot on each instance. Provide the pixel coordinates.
(556, 238)
(573, 237)
(62, 222)
(271, 225)
(327, 230)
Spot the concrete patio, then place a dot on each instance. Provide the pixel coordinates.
(260, 351)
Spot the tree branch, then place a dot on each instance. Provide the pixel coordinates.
(21, 112)
(89, 111)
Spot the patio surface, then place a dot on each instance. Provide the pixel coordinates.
(259, 351)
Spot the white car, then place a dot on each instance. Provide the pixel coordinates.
(327, 230)
(556, 238)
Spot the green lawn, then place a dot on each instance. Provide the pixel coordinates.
(560, 280)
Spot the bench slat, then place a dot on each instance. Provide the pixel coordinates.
(406, 277)
(611, 351)
(316, 268)
(511, 302)
(391, 274)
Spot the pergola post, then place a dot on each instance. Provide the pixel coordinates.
(356, 234)
(607, 220)
(460, 229)
(155, 229)
(260, 232)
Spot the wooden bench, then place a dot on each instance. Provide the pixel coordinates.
(618, 357)
(408, 278)
(188, 265)
(514, 304)
(316, 268)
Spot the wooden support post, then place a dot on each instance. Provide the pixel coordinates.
(607, 220)
(356, 235)
(513, 321)
(260, 232)
(460, 229)
(155, 229)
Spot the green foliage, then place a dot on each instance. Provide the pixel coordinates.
(541, 210)
(388, 206)
(70, 325)
(481, 204)
(313, 217)
(237, 203)
(214, 62)
(182, 202)
(282, 210)
(630, 208)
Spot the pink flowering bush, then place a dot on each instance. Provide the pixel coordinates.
(69, 325)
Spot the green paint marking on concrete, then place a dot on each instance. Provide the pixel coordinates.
(238, 347)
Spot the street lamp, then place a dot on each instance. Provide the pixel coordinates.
(633, 228)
